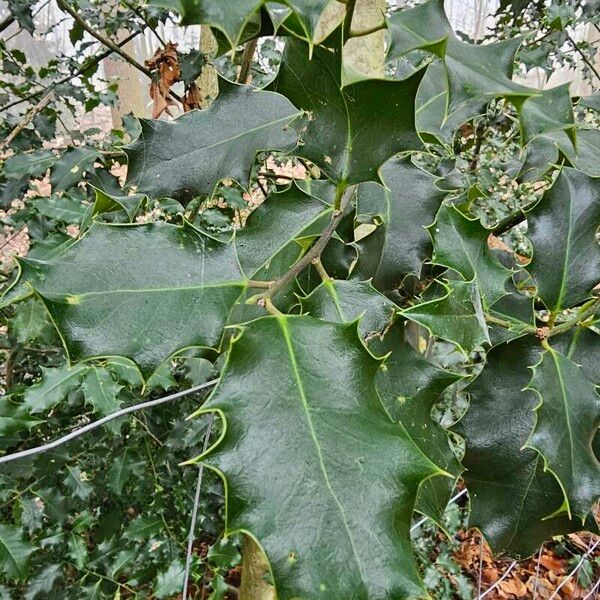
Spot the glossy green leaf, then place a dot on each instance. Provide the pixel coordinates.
(409, 386)
(14, 552)
(69, 169)
(304, 430)
(475, 73)
(14, 417)
(511, 495)
(65, 209)
(548, 112)
(169, 582)
(343, 122)
(55, 386)
(591, 101)
(562, 229)
(101, 391)
(118, 474)
(190, 155)
(34, 164)
(586, 157)
(77, 482)
(30, 321)
(461, 244)
(346, 301)
(230, 18)
(155, 289)
(515, 310)
(457, 317)
(568, 416)
(402, 209)
(108, 202)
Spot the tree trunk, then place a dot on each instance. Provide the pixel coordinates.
(208, 82)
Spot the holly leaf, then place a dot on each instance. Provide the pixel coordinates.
(586, 157)
(170, 582)
(55, 385)
(109, 202)
(34, 164)
(118, 474)
(568, 416)
(14, 552)
(409, 386)
(550, 111)
(512, 497)
(77, 482)
(191, 154)
(582, 346)
(516, 310)
(562, 230)
(402, 208)
(30, 321)
(592, 101)
(457, 317)
(71, 167)
(345, 301)
(231, 20)
(461, 244)
(181, 282)
(101, 391)
(43, 582)
(14, 418)
(475, 73)
(65, 209)
(344, 120)
(296, 395)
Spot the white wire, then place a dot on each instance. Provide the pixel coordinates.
(91, 426)
(589, 595)
(190, 546)
(504, 576)
(577, 566)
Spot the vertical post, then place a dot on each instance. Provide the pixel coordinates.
(208, 82)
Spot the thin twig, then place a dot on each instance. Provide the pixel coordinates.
(107, 42)
(479, 577)
(313, 254)
(91, 426)
(246, 63)
(586, 60)
(142, 16)
(537, 572)
(594, 588)
(570, 575)
(85, 67)
(7, 22)
(190, 546)
(27, 119)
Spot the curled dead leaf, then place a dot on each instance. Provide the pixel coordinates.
(165, 67)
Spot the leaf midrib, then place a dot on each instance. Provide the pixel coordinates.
(286, 334)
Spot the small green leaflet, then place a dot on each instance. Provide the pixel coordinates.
(30, 321)
(118, 474)
(457, 317)
(476, 73)
(568, 416)
(69, 169)
(56, 384)
(154, 289)
(14, 552)
(14, 417)
(461, 244)
(76, 481)
(169, 582)
(109, 202)
(343, 121)
(190, 155)
(304, 430)
(65, 209)
(562, 229)
(101, 391)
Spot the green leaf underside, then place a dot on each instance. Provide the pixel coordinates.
(139, 291)
(405, 206)
(304, 430)
(457, 317)
(343, 123)
(223, 139)
(511, 495)
(461, 244)
(568, 416)
(474, 72)
(562, 230)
